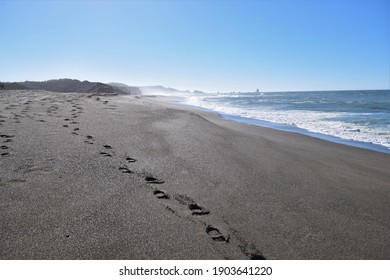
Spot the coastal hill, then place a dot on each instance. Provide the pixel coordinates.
(61, 85)
(73, 85)
(11, 86)
(69, 85)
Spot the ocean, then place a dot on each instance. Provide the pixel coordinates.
(359, 118)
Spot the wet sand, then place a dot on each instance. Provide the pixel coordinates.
(114, 177)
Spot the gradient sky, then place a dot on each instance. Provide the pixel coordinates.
(207, 45)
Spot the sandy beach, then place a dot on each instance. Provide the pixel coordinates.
(134, 177)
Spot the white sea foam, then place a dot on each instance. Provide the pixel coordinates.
(327, 123)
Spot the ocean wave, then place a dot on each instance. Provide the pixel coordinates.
(338, 124)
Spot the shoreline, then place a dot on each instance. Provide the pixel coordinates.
(294, 129)
(114, 177)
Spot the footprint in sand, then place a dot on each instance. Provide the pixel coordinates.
(125, 170)
(107, 146)
(6, 136)
(152, 180)
(89, 139)
(65, 125)
(160, 194)
(4, 147)
(7, 140)
(76, 128)
(257, 257)
(4, 154)
(129, 159)
(215, 234)
(75, 133)
(198, 210)
(105, 154)
(183, 199)
(250, 250)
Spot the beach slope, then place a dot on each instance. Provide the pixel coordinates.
(131, 177)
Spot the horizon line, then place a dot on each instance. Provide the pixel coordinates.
(230, 91)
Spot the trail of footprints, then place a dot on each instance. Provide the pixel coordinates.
(7, 138)
(4, 148)
(196, 210)
(190, 204)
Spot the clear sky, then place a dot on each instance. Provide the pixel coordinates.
(206, 45)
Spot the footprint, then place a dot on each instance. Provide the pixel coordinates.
(125, 170)
(105, 154)
(129, 159)
(7, 140)
(216, 235)
(76, 128)
(6, 136)
(249, 249)
(88, 142)
(67, 119)
(4, 154)
(198, 210)
(152, 180)
(160, 194)
(89, 137)
(184, 200)
(4, 147)
(74, 123)
(65, 125)
(107, 146)
(75, 133)
(257, 257)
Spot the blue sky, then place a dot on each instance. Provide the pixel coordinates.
(207, 45)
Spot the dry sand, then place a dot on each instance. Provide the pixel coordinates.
(113, 177)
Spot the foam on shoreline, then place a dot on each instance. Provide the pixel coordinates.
(310, 124)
